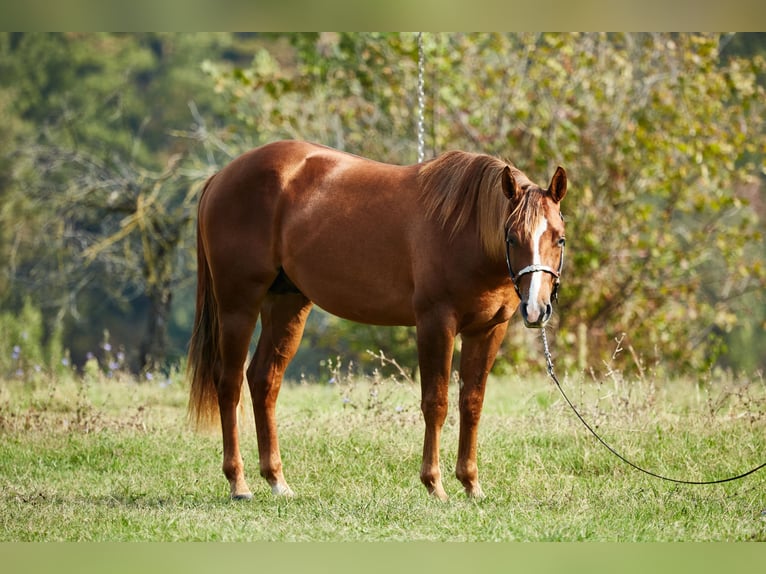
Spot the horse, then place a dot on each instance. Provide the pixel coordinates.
(434, 244)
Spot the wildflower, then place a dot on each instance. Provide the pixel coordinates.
(114, 365)
(107, 347)
(65, 361)
(16, 352)
(149, 377)
(89, 356)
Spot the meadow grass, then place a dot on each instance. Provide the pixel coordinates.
(105, 460)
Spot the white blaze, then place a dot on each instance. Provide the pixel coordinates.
(533, 308)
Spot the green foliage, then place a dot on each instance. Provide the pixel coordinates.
(351, 91)
(96, 210)
(27, 350)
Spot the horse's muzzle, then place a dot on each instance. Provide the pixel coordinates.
(535, 316)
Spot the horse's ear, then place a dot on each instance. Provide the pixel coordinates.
(508, 183)
(558, 186)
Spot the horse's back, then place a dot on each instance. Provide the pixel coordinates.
(250, 195)
(296, 167)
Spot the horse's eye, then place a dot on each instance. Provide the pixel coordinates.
(562, 242)
(511, 241)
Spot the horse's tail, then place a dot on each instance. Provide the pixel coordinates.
(204, 352)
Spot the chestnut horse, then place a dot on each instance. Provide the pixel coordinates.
(433, 245)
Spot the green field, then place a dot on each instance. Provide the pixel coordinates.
(106, 460)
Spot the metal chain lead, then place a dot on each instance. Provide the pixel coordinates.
(549, 361)
(546, 350)
(421, 101)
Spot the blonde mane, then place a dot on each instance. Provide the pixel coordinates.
(457, 186)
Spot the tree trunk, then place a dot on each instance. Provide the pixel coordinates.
(154, 347)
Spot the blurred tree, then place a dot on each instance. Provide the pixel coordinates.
(97, 199)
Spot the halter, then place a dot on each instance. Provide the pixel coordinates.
(533, 269)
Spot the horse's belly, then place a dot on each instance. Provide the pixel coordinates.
(366, 311)
(362, 303)
(361, 291)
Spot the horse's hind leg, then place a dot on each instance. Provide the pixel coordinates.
(283, 317)
(238, 314)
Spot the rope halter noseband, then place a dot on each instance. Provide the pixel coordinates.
(534, 268)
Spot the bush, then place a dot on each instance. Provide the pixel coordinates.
(27, 349)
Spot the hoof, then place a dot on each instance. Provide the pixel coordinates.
(439, 494)
(474, 493)
(242, 496)
(281, 489)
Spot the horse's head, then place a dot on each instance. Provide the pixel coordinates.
(534, 236)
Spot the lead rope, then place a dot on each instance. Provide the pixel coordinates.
(549, 361)
(421, 101)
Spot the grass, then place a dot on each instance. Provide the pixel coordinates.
(105, 460)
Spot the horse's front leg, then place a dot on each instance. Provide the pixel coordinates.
(436, 337)
(477, 355)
